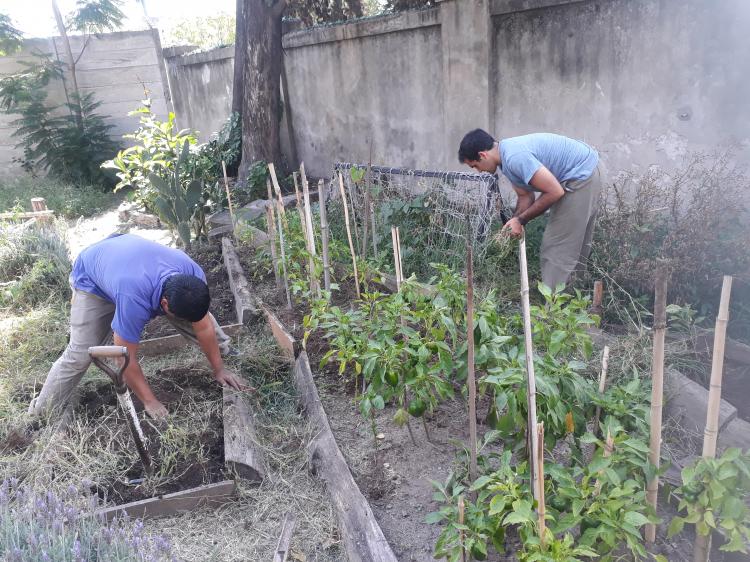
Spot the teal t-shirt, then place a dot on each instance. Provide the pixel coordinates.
(130, 271)
(567, 159)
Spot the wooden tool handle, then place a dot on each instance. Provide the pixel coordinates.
(108, 351)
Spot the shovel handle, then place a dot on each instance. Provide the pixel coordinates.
(108, 351)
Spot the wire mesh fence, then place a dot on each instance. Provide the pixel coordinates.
(437, 212)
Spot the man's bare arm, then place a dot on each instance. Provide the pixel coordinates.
(552, 192)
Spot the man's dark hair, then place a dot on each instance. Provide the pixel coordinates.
(473, 143)
(187, 296)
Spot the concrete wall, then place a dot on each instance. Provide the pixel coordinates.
(201, 88)
(115, 66)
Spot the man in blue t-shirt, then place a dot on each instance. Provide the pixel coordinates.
(564, 172)
(119, 284)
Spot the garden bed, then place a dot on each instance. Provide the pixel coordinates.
(187, 450)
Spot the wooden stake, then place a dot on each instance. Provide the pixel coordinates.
(300, 211)
(400, 261)
(349, 233)
(541, 508)
(277, 188)
(470, 362)
(657, 390)
(39, 205)
(271, 227)
(395, 259)
(285, 538)
(314, 284)
(530, 376)
(283, 263)
(596, 304)
(602, 386)
(229, 196)
(702, 545)
(461, 516)
(324, 234)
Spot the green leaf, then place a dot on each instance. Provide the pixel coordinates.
(636, 519)
(378, 402)
(480, 483)
(434, 517)
(675, 526)
(193, 194)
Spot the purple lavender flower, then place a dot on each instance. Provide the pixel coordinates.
(77, 555)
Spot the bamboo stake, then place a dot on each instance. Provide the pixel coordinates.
(400, 262)
(395, 259)
(657, 391)
(314, 284)
(541, 508)
(470, 362)
(324, 234)
(271, 227)
(372, 206)
(300, 211)
(602, 385)
(354, 217)
(277, 189)
(531, 378)
(702, 545)
(349, 233)
(609, 448)
(461, 515)
(229, 197)
(283, 262)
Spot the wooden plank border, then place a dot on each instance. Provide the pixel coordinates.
(212, 495)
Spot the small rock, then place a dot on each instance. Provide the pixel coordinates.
(404, 514)
(386, 465)
(389, 506)
(380, 436)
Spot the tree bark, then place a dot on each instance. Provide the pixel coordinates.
(239, 58)
(261, 83)
(71, 64)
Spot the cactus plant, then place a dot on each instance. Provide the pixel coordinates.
(176, 203)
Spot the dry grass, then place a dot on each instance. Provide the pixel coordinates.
(91, 449)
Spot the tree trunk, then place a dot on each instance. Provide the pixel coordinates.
(261, 99)
(239, 58)
(71, 64)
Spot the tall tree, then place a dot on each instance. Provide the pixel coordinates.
(10, 37)
(257, 70)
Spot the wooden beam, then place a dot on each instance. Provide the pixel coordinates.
(361, 536)
(174, 504)
(285, 340)
(241, 451)
(27, 215)
(243, 301)
(285, 538)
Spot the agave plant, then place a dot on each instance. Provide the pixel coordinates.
(175, 202)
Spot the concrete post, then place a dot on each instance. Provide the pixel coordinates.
(466, 41)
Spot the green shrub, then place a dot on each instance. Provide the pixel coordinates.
(34, 266)
(66, 199)
(693, 220)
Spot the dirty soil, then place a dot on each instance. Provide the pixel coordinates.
(209, 257)
(185, 453)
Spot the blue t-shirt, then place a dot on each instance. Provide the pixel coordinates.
(567, 159)
(129, 271)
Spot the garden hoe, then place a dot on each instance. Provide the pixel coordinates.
(98, 354)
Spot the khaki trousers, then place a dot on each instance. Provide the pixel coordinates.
(570, 228)
(90, 324)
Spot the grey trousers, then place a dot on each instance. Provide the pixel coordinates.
(90, 324)
(570, 228)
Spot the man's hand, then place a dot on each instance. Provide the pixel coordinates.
(513, 228)
(156, 410)
(227, 378)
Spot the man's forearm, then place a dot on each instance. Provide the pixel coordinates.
(523, 202)
(206, 337)
(136, 381)
(538, 207)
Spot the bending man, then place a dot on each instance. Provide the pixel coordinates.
(119, 284)
(565, 172)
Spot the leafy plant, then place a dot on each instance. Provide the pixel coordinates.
(176, 202)
(714, 495)
(155, 151)
(69, 146)
(10, 37)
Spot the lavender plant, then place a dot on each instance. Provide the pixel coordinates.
(48, 526)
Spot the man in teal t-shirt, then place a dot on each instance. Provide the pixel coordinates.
(119, 284)
(565, 172)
